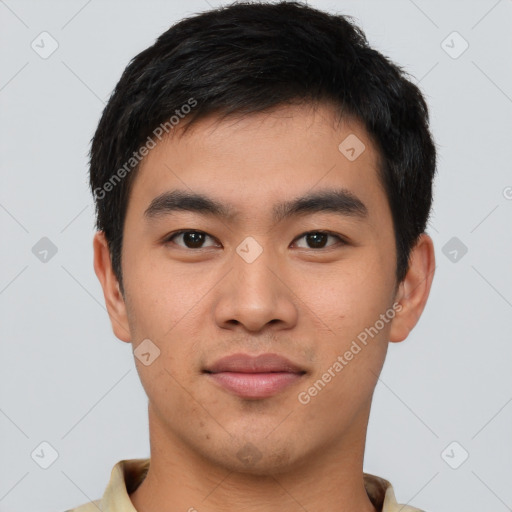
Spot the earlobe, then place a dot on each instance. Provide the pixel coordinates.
(414, 290)
(114, 301)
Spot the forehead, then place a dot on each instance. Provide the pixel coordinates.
(251, 165)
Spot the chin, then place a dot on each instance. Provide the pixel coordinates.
(253, 457)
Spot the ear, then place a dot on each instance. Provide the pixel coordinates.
(113, 298)
(414, 290)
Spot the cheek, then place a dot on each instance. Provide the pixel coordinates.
(163, 315)
(347, 311)
(166, 379)
(162, 295)
(348, 299)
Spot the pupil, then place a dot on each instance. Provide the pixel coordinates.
(314, 240)
(193, 239)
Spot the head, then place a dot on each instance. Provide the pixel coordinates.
(300, 164)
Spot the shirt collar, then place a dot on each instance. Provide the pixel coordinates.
(128, 474)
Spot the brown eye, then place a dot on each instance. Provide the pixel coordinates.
(318, 239)
(190, 239)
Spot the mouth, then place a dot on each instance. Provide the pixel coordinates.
(254, 377)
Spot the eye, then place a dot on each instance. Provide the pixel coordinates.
(190, 238)
(193, 239)
(318, 239)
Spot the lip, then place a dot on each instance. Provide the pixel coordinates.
(254, 376)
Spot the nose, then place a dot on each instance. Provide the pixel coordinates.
(256, 294)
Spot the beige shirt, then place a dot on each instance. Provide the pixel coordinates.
(128, 474)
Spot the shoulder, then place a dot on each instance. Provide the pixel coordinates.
(382, 495)
(91, 506)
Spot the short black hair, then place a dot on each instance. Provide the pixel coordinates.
(252, 57)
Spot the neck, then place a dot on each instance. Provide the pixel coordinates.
(179, 478)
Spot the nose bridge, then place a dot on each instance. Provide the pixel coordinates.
(251, 263)
(255, 295)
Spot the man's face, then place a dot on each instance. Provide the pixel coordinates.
(256, 283)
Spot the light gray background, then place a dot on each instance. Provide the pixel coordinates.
(66, 380)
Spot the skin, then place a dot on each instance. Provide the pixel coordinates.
(305, 303)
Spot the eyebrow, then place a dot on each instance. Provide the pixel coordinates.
(340, 201)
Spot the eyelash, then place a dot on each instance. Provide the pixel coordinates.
(341, 240)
